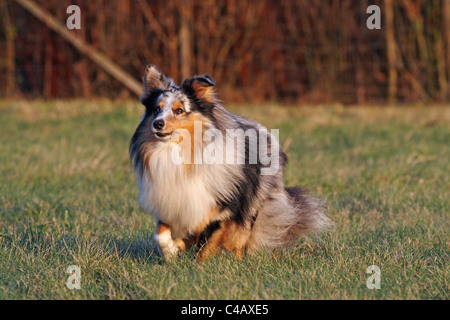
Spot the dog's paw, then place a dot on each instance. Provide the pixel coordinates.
(167, 247)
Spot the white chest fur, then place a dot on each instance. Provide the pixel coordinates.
(173, 196)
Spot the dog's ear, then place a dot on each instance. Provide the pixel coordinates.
(155, 79)
(202, 87)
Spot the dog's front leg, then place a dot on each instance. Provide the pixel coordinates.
(167, 246)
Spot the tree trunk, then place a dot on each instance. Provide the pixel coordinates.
(391, 52)
(186, 39)
(446, 35)
(10, 59)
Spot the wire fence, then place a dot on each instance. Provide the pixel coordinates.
(292, 51)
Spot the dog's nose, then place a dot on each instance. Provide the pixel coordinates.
(158, 124)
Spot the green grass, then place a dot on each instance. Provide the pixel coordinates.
(68, 196)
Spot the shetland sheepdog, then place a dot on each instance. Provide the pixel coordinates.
(201, 173)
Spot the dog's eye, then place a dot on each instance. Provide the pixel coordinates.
(179, 111)
(157, 110)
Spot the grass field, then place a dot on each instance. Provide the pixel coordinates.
(68, 196)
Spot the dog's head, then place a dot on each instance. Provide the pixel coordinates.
(169, 107)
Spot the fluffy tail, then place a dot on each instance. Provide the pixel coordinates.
(287, 216)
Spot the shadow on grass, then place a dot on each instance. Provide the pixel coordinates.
(44, 241)
(40, 240)
(140, 249)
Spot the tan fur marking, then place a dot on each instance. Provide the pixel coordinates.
(212, 247)
(161, 227)
(230, 236)
(204, 92)
(173, 124)
(177, 105)
(153, 78)
(186, 243)
(236, 238)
